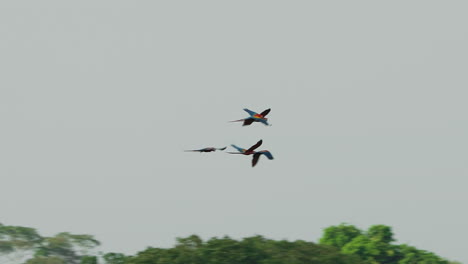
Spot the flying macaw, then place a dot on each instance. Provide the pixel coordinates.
(251, 150)
(254, 117)
(210, 149)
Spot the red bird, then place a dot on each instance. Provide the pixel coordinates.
(251, 150)
(254, 117)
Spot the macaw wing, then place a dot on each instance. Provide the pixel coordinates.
(258, 144)
(247, 122)
(238, 148)
(264, 113)
(268, 154)
(251, 113)
(264, 122)
(255, 158)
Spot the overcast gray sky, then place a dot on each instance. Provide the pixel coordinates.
(98, 100)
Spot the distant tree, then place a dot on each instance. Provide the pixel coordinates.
(374, 246)
(115, 258)
(186, 250)
(371, 250)
(89, 260)
(18, 238)
(45, 260)
(191, 242)
(412, 255)
(26, 242)
(69, 247)
(250, 250)
(151, 256)
(342, 244)
(302, 252)
(380, 233)
(339, 236)
(222, 250)
(255, 249)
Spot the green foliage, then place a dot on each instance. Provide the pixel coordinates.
(301, 252)
(374, 246)
(150, 256)
(115, 258)
(339, 236)
(342, 244)
(372, 250)
(65, 246)
(412, 255)
(191, 242)
(380, 233)
(17, 238)
(251, 250)
(224, 250)
(61, 248)
(46, 260)
(89, 260)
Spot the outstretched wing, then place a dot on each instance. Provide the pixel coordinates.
(264, 113)
(251, 113)
(255, 158)
(238, 148)
(258, 144)
(247, 122)
(222, 148)
(267, 154)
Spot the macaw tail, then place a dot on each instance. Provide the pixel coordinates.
(240, 120)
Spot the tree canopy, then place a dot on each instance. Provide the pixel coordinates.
(340, 244)
(375, 246)
(17, 242)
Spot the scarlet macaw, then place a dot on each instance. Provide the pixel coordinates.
(254, 117)
(210, 149)
(251, 150)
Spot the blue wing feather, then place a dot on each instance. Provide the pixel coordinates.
(251, 113)
(268, 155)
(238, 148)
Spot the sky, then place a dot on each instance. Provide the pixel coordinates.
(99, 100)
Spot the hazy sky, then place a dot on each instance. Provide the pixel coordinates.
(98, 100)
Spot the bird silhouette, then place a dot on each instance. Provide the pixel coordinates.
(209, 149)
(254, 117)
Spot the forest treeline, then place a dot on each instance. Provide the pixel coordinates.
(341, 244)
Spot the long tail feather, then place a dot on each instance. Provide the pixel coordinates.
(240, 120)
